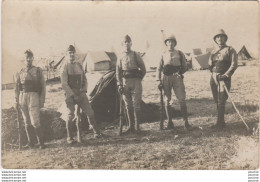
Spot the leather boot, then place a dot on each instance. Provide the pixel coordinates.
(168, 111)
(29, 133)
(184, 113)
(130, 116)
(70, 139)
(221, 121)
(138, 117)
(40, 137)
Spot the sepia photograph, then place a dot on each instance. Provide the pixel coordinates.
(130, 85)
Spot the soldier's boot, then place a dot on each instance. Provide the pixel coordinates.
(221, 117)
(169, 117)
(70, 139)
(78, 124)
(130, 116)
(40, 137)
(29, 132)
(138, 117)
(184, 113)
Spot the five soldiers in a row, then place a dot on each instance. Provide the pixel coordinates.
(130, 70)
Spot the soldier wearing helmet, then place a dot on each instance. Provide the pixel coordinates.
(30, 89)
(74, 83)
(173, 65)
(130, 71)
(222, 64)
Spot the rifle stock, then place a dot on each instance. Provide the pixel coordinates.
(161, 111)
(121, 116)
(19, 123)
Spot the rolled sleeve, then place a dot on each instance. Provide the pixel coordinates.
(119, 73)
(234, 63)
(64, 82)
(183, 64)
(141, 64)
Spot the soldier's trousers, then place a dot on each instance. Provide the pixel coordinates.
(175, 83)
(132, 98)
(84, 104)
(30, 107)
(218, 91)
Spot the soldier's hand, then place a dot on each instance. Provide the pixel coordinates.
(222, 77)
(121, 89)
(160, 86)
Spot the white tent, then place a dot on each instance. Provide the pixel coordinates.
(200, 62)
(97, 61)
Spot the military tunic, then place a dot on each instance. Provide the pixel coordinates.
(222, 62)
(173, 81)
(74, 83)
(31, 89)
(131, 62)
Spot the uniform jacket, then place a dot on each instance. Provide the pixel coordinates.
(174, 58)
(73, 79)
(223, 61)
(129, 61)
(35, 75)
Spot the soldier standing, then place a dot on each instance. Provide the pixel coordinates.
(222, 64)
(173, 65)
(74, 83)
(130, 71)
(31, 90)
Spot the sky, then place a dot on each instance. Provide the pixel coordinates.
(47, 28)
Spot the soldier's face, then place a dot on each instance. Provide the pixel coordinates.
(221, 39)
(127, 45)
(29, 60)
(170, 44)
(71, 55)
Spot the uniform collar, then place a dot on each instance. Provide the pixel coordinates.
(127, 52)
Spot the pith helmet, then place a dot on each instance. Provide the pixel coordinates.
(127, 38)
(171, 37)
(71, 48)
(29, 53)
(220, 32)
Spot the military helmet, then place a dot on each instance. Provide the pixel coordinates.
(127, 38)
(71, 48)
(220, 32)
(171, 37)
(29, 53)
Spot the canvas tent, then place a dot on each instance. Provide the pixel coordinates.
(200, 62)
(197, 51)
(97, 61)
(209, 49)
(113, 59)
(243, 54)
(10, 66)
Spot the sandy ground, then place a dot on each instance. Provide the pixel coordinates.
(202, 148)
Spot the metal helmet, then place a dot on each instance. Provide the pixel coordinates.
(220, 32)
(171, 37)
(71, 48)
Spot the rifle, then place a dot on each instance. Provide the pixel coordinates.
(19, 123)
(161, 111)
(121, 115)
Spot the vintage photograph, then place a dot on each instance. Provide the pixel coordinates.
(130, 85)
